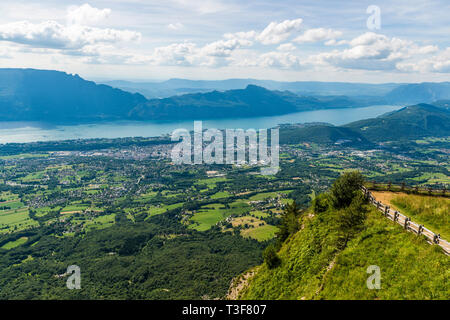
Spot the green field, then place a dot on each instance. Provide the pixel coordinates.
(261, 233)
(267, 195)
(24, 156)
(211, 183)
(16, 243)
(100, 222)
(220, 195)
(208, 216)
(15, 220)
(77, 207)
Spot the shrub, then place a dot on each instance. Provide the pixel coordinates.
(321, 203)
(350, 220)
(345, 188)
(289, 221)
(271, 257)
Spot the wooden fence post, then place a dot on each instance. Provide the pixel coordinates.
(436, 238)
(386, 210)
(406, 222)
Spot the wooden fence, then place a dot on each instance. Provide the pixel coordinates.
(406, 222)
(377, 186)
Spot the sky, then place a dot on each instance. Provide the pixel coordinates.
(151, 40)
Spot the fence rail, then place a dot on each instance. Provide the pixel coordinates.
(378, 186)
(407, 223)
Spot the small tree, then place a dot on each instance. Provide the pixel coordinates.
(350, 220)
(321, 203)
(345, 188)
(271, 257)
(289, 221)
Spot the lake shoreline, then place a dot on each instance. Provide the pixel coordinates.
(24, 132)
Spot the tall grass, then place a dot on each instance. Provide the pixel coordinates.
(312, 267)
(432, 212)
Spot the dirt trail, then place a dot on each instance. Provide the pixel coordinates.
(387, 196)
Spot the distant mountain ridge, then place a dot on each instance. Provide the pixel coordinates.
(419, 92)
(412, 122)
(384, 93)
(173, 87)
(41, 95)
(239, 103)
(53, 96)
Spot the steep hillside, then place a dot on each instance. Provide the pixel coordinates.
(411, 122)
(247, 102)
(315, 262)
(323, 134)
(41, 95)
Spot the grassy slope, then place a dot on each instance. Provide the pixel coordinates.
(433, 212)
(410, 268)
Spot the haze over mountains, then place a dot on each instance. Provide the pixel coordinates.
(173, 87)
(397, 93)
(52, 96)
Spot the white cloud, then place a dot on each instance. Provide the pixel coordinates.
(223, 48)
(175, 54)
(319, 34)
(76, 38)
(286, 47)
(51, 34)
(439, 63)
(85, 14)
(282, 60)
(213, 54)
(275, 33)
(205, 6)
(175, 26)
(248, 35)
(372, 51)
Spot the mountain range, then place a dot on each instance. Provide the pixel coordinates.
(173, 87)
(53, 96)
(384, 93)
(41, 95)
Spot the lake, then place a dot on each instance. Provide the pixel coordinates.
(21, 132)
